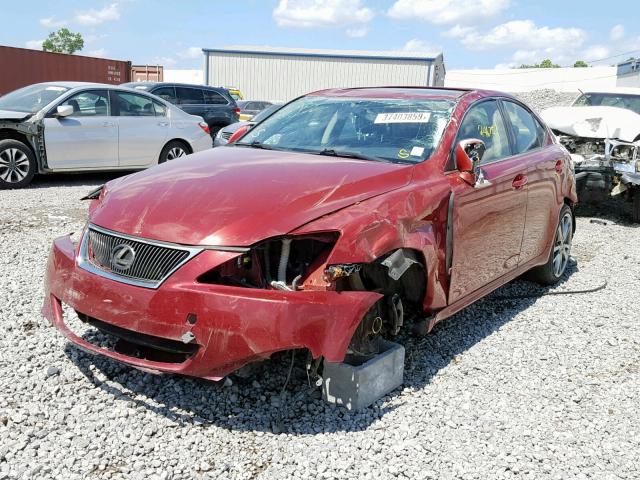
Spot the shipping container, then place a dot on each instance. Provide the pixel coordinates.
(147, 73)
(21, 66)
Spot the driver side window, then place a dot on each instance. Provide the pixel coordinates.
(91, 103)
(484, 122)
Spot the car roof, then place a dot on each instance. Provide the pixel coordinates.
(172, 84)
(406, 92)
(69, 84)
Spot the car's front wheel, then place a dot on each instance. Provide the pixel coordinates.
(552, 271)
(17, 164)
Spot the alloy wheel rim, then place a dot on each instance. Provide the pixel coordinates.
(562, 245)
(175, 152)
(14, 165)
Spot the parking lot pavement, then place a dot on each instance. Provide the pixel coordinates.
(509, 388)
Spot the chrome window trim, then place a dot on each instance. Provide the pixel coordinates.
(83, 260)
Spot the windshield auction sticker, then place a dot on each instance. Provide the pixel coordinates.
(403, 117)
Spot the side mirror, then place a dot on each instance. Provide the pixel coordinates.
(468, 155)
(239, 133)
(64, 110)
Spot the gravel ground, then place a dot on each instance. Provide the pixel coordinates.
(545, 98)
(534, 388)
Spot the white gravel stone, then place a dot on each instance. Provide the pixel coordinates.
(539, 388)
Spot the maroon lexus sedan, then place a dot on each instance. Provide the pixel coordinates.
(335, 222)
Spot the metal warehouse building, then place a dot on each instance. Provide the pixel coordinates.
(264, 73)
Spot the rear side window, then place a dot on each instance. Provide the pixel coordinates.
(160, 109)
(166, 93)
(189, 96)
(132, 105)
(527, 132)
(214, 98)
(90, 103)
(484, 122)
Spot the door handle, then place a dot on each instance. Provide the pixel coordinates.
(559, 165)
(520, 181)
(163, 124)
(108, 124)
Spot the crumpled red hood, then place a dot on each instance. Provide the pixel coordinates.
(235, 196)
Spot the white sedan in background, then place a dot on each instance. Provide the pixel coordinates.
(77, 126)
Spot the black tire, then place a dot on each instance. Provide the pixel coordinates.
(171, 151)
(635, 205)
(17, 164)
(550, 273)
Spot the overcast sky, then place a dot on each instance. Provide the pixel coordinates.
(470, 33)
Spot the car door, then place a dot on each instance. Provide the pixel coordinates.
(143, 128)
(544, 169)
(88, 138)
(488, 218)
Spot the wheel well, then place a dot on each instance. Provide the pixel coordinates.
(401, 271)
(570, 204)
(7, 134)
(402, 279)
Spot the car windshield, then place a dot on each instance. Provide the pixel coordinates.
(620, 100)
(31, 99)
(397, 130)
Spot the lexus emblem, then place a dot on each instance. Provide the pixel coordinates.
(122, 257)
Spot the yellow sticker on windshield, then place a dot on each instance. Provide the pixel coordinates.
(402, 153)
(487, 131)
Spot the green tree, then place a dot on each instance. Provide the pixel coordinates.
(63, 41)
(580, 64)
(546, 63)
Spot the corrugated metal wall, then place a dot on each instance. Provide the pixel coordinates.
(283, 77)
(20, 67)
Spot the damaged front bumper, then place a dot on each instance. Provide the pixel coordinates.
(603, 167)
(224, 326)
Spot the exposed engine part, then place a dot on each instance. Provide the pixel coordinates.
(604, 166)
(279, 263)
(284, 260)
(333, 272)
(587, 147)
(397, 263)
(281, 286)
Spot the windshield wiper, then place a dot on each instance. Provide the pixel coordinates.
(255, 144)
(330, 152)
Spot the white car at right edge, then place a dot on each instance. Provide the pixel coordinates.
(601, 129)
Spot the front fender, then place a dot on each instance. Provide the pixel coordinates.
(411, 218)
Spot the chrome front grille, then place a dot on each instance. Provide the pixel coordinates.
(132, 260)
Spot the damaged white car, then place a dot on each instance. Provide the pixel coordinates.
(602, 132)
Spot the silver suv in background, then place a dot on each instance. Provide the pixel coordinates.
(78, 126)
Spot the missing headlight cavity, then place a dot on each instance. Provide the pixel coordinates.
(281, 263)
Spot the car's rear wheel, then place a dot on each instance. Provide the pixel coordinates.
(552, 271)
(172, 150)
(17, 164)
